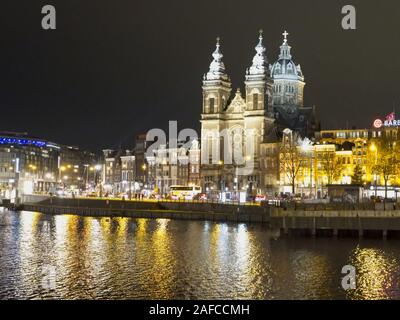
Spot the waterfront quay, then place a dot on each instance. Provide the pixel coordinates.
(324, 220)
(335, 223)
(183, 210)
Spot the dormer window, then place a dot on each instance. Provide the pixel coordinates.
(278, 68)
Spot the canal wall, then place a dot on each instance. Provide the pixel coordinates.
(153, 210)
(33, 198)
(360, 221)
(286, 220)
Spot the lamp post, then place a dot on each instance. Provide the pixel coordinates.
(236, 182)
(16, 177)
(130, 175)
(374, 149)
(34, 176)
(144, 167)
(93, 169)
(87, 175)
(220, 167)
(307, 149)
(97, 169)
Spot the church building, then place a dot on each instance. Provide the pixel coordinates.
(238, 132)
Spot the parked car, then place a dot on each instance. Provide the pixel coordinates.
(200, 196)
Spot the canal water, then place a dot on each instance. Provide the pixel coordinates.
(123, 258)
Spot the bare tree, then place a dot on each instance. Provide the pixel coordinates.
(331, 166)
(290, 157)
(388, 164)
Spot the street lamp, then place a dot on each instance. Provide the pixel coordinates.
(220, 164)
(307, 148)
(34, 176)
(144, 167)
(97, 168)
(374, 149)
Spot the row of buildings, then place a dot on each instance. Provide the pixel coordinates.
(33, 165)
(262, 141)
(139, 169)
(243, 139)
(30, 165)
(291, 165)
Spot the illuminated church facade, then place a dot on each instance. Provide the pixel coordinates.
(240, 134)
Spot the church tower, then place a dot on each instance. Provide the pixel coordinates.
(216, 85)
(258, 81)
(258, 116)
(216, 92)
(288, 78)
(288, 97)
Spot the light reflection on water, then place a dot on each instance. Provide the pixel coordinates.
(112, 258)
(378, 274)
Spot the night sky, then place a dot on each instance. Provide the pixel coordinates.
(113, 69)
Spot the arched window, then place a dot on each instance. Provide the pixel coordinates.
(255, 101)
(237, 148)
(212, 105)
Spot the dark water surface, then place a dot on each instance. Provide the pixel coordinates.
(110, 258)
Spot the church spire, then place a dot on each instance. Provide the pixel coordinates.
(217, 67)
(285, 48)
(259, 66)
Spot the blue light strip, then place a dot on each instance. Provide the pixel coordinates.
(22, 142)
(52, 146)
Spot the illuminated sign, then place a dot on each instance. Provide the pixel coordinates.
(378, 123)
(390, 121)
(22, 142)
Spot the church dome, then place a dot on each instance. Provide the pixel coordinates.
(285, 67)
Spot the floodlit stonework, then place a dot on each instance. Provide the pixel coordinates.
(240, 133)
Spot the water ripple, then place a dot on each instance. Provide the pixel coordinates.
(122, 258)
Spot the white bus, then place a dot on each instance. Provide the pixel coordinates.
(177, 192)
